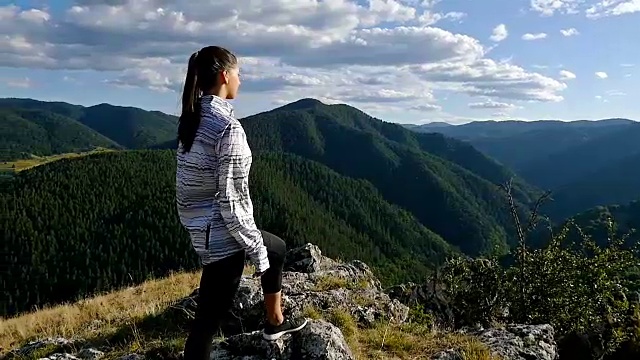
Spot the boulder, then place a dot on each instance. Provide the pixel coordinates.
(513, 342)
(521, 342)
(431, 296)
(319, 340)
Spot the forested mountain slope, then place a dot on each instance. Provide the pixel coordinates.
(439, 180)
(70, 127)
(77, 226)
(41, 132)
(576, 162)
(584, 163)
(615, 183)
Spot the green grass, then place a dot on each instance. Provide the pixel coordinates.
(24, 164)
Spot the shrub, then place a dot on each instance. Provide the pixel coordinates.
(583, 289)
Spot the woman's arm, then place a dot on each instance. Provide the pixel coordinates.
(233, 194)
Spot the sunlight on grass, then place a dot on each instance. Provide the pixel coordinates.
(24, 164)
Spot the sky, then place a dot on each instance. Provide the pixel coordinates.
(404, 61)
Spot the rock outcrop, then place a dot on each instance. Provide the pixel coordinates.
(513, 342)
(315, 286)
(312, 282)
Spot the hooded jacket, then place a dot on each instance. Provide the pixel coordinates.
(212, 188)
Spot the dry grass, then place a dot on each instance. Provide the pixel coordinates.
(389, 341)
(102, 314)
(332, 282)
(24, 164)
(130, 320)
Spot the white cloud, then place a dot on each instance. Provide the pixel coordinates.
(489, 104)
(23, 83)
(567, 75)
(605, 8)
(615, 93)
(288, 49)
(501, 114)
(550, 7)
(536, 36)
(499, 33)
(601, 75)
(593, 9)
(426, 107)
(569, 32)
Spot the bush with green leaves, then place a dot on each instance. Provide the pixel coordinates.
(583, 288)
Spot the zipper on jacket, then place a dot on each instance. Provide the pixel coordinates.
(206, 241)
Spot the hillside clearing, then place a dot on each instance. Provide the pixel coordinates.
(24, 164)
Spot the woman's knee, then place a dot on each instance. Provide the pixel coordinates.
(276, 247)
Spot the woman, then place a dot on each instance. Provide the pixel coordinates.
(214, 205)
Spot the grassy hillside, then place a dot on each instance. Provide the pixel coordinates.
(64, 223)
(30, 127)
(25, 164)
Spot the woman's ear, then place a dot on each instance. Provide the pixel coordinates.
(225, 77)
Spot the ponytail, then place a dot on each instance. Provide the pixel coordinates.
(190, 117)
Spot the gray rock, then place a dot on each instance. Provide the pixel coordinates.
(306, 259)
(132, 357)
(319, 340)
(450, 354)
(60, 356)
(323, 284)
(90, 354)
(521, 342)
(32, 346)
(430, 295)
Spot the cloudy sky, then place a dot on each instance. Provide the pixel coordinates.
(401, 60)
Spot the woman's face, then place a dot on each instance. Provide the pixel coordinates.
(232, 77)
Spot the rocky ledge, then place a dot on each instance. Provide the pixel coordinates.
(315, 285)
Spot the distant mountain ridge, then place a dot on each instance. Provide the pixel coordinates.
(35, 127)
(500, 128)
(584, 163)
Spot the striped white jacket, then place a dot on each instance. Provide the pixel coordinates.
(212, 188)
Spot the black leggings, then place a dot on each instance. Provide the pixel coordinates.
(218, 286)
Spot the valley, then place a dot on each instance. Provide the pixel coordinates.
(87, 201)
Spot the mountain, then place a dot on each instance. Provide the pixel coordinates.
(447, 184)
(25, 132)
(614, 183)
(45, 128)
(626, 217)
(328, 174)
(64, 223)
(575, 162)
(584, 163)
(506, 128)
(517, 143)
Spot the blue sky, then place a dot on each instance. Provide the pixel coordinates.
(405, 61)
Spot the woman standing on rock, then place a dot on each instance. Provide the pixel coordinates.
(212, 195)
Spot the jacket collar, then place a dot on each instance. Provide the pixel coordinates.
(219, 104)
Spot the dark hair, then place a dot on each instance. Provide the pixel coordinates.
(202, 75)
